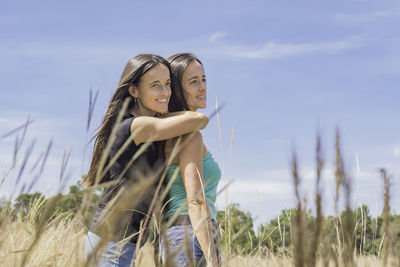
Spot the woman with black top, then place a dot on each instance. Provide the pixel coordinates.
(128, 157)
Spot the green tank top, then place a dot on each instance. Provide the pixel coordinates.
(177, 193)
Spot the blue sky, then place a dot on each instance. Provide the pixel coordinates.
(283, 68)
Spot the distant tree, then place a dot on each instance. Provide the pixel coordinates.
(4, 203)
(364, 230)
(237, 233)
(72, 203)
(66, 205)
(24, 202)
(393, 234)
(276, 235)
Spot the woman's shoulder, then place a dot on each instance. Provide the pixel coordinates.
(123, 130)
(125, 125)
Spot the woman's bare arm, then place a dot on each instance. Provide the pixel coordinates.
(166, 127)
(191, 167)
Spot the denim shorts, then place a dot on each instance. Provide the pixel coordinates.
(113, 254)
(183, 247)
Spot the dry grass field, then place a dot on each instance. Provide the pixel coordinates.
(62, 244)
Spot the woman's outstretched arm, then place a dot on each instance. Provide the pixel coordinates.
(168, 126)
(191, 167)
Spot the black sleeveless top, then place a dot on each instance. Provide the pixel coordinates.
(126, 215)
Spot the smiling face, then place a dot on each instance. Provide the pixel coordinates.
(153, 92)
(194, 86)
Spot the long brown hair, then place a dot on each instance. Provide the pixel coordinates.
(179, 63)
(133, 72)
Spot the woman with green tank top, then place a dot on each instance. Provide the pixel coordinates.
(191, 211)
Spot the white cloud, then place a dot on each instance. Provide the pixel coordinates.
(49, 50)
(273, 50)
(42, 126)
(204, 46)
(263, 199)
(217, 35)
(261, 187)
(9, 123)
(359, 18)
(89, 52)
(396, 151)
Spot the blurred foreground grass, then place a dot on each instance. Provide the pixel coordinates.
(62, 244)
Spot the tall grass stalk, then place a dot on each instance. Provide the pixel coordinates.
(385, 215)
(318, 204)
(299, 239)
(348, 225)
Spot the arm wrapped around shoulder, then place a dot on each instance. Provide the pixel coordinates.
(167, 127)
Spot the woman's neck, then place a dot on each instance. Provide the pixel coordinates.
(193, 108)
(139, 110)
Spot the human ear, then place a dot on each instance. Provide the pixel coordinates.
(133, 91)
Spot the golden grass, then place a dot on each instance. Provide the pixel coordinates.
(61, 241)
(59, 244)
(62, 244)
